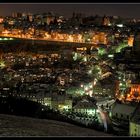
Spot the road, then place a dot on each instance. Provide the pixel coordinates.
(43, 39)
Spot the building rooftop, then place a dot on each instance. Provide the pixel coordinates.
(123, 108)
(85, 104)
(136, 115)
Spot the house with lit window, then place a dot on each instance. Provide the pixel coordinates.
(48, 100)
(43, 97)
(134, 92)
(63, 78)
(85, 107)
(61, 102)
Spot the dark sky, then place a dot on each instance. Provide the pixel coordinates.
(123, 10)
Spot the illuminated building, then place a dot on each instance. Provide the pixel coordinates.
(81, 53)
(121, 114)
(81, 49)
(48, 101)
(1, 28)
(30, 16)
(119, 110)
(134, 125)
(63, 79)
(106, 21)
(130, 41)
(1, 20)
(61, 103)
(24, 15)
(16, 15)
(99, 38)
(75, 91)
(134, 93)
(85, 107)
(11, 22)
(48, 19)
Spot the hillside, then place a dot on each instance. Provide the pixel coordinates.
(25, 126)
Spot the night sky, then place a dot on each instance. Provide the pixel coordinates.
(123, 10)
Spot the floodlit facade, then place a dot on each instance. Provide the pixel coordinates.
(134, 125)
(85, 107)
(61, 103)
(134, 129)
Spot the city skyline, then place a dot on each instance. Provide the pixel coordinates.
(77, 64)
(66, 10)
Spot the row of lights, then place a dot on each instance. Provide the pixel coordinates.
(6, 38)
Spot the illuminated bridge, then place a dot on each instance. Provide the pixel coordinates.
(42, 42)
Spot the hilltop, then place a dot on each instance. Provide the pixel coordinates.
(24, 126)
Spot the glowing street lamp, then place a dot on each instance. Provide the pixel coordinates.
(2, 64)
(90, 93)
(82, 85)
(90, 72)
(86, 88)
(90, 86)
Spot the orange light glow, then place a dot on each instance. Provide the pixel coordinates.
(1, 20)
(130, 41)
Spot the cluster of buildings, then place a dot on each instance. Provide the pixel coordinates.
(125, 111)
(49, 26)
(55, 79)
(102, 67)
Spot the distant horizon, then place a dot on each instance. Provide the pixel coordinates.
(127, 11)
(70, 15)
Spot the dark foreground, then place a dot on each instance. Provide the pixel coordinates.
(25, 126)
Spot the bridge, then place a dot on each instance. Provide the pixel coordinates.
(40, 41)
